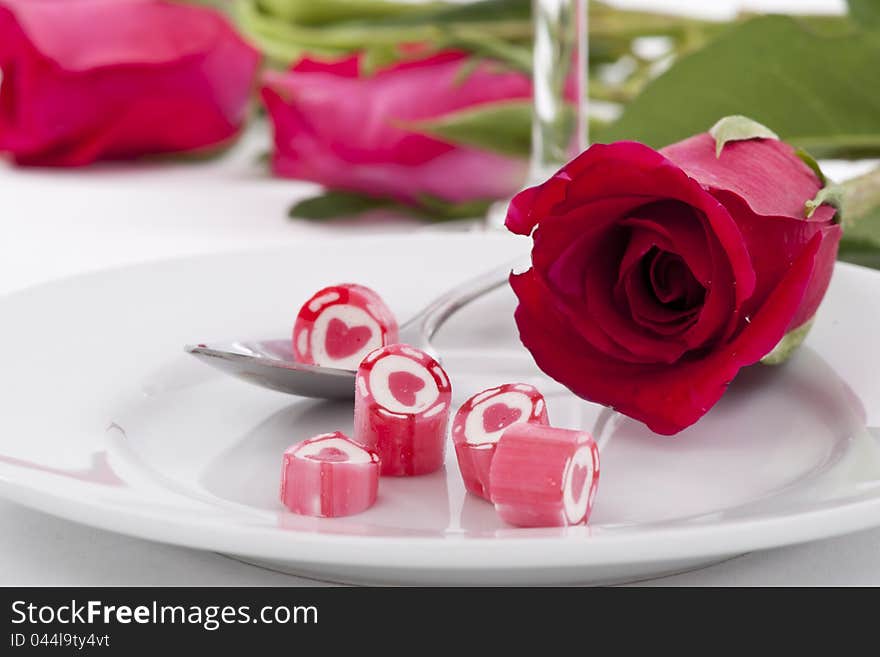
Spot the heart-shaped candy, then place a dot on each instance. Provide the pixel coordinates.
(578, 481)
(329, 454)
(498, 416)
(404, 386)
(343, 340)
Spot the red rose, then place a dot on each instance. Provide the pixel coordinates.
(657, 275)
(344, 129)
(93, 79)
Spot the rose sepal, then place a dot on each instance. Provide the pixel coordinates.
(786, 347)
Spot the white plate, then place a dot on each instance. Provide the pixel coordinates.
(106, 422)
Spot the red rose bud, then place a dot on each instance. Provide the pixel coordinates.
(544, 477)
(401, 409)
(95, 79)
(656, 276)
(329, 476)
(346, 129)
(480, 422)
(340, 325)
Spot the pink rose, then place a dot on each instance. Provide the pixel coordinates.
(98, 79)
(657, 275)
(339, 127)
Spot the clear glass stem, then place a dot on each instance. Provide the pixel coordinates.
(559, 118)
(559, 123)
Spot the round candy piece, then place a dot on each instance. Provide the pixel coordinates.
(340, 325)
(544, 477)
(401, 409)
(329, 476)
(480, 422)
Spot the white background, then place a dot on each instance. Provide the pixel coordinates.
(57, 223)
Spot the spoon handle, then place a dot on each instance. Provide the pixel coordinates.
(420, 329)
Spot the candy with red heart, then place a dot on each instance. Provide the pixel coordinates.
(542, 476)
(340, 325)
(329, 476)
(401, 409)
(481, 421)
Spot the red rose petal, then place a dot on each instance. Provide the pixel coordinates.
(668, 398)
(752, 170)
(607, 182)
(527, 207)
(600, 307)
(646, 312)
(774, 243)
(630, 169)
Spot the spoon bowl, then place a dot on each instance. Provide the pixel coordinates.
(271, 364)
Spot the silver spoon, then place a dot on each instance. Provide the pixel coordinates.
(270, 363)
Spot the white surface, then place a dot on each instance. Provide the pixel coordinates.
(54, 224)
(159, 446)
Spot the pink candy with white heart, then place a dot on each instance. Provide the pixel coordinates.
(535, 475)
(542, 476)
(401, 409)
(481, 421)
(329, 476)
(340, 325)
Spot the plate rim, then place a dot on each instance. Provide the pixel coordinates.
(573, 550)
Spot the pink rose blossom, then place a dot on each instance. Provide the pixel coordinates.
(85, 80)
(656, 276)
(340, 127)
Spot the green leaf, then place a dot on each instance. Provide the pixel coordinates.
(470, 65)
(819, 89)
(501, 127)
(829, 195)
(437, 209)
(338, 204)
(322, 12)
(379, 57)
(504, 127)
(515, 57)
(284, 40)
(866, 13)
(811, 162)
(335, 205)
(738, 128)
(787, 346)
(481, 11)
(860, 243)
(866, 254)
